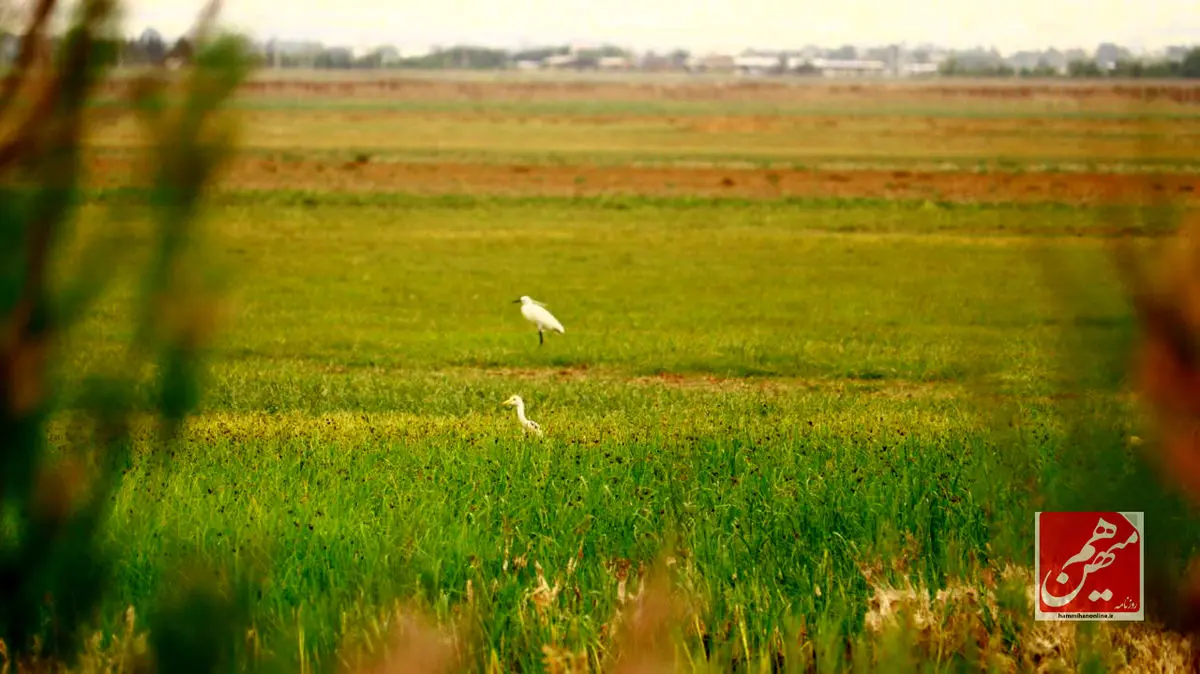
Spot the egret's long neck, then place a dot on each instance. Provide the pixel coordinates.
(521, 411)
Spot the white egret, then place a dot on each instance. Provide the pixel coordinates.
(535, 312)
(529, 424)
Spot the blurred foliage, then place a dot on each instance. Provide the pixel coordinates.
(54, 568)
(1127, 406)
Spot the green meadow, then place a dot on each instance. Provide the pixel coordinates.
(796, 403)
(783, 433)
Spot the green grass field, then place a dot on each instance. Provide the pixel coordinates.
(631, 131)
(777, 394)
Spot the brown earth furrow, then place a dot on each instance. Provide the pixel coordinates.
(257, 173)
(493, 86)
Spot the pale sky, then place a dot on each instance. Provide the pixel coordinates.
(1008, 25)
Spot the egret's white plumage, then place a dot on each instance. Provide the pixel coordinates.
(530, 425)
(535, 312)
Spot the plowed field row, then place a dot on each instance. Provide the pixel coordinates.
(589, 180)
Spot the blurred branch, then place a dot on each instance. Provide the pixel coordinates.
(1155, 356)
(54, 557)
(204, 24)
(29, 45)
(53, 523)
(72, 82)
(26, 329)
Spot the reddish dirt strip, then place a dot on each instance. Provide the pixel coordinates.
(680, 87)
(246, 172)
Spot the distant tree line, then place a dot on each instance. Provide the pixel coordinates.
(313, 55)
(151, 49)
(1188, 67)
(485, 58)
(148, 49)
(471, 58)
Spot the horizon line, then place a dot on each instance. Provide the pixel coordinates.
(531, 45)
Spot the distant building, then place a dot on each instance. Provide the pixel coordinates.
(653, 62)
(561, 61)
(614, 63)
(1108, 55)
(712, 63)
(800, 63)
(850, 67)
(1026, 60)
(1176, 53)
(1056, 60)
(918, 69)
(1076, 55)
(335, 57)
(280, 53)
(376, 57)
(388, 55)
(759, 63)
(415, 52)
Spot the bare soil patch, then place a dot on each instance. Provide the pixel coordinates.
(640, 88)
(707, 382)
(257, 173)
(497, 86)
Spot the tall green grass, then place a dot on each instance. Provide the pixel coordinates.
(821, 292)
(492, 132)
(777, 395)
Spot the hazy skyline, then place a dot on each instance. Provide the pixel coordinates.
(659, 24)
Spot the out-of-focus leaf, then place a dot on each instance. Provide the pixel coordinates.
(178, 389)
(29, 48)
(1149, 348)
(52, 556)
(197, 625)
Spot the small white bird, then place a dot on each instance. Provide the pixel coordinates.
(529, 424)
(535, 312)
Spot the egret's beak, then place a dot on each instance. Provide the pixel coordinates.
(516, 301)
